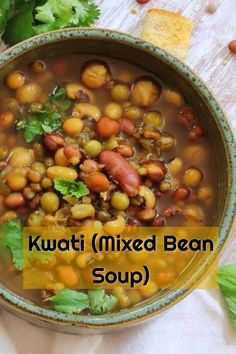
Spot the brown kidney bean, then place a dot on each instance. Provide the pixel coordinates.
(127, 126)
(158, 221)
(125, 150)
(106, 127)
(142, 2)
(181, 193)
(97, 182)
(72, 154)
(14, 200)
(196, 132)
(186, 117)
(146, 215)
(173, 211)
(156, 170)
(53, 141)
(120, 169)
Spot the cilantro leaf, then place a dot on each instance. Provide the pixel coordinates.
(39, 123)
(57, 14)
(12, 238)
(15, 30)
(227, 283)
(100, 302)
(69, 301)
(58, 97)
(68, 187)
(5, 9)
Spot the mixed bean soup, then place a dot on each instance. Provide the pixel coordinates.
(95, 141)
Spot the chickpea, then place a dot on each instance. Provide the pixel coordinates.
(68, 256)
(165, 186)
(10, 105)
(134, 296)
(111, 143)
(60, 158)
(15, 80)
(6, 120)
(95, 75)
(67, 275)
(206, 194)
(85, 110)
(84, 259)
(36, 218)
(196, 153)
(192, 177)
(34, 176)
(76, 91)
(39, 167)
(153, 119)
(113, 110)
(193, 213)
(120, 92)
(173, 97)
(122, 297)
(175, 166)
(165, 277)
(38, 67)
(73, 126)
(29, 93)
(93, 148)
(138, 257)
(119, 201)
(133, 112)
(62, 172)
(82, 211)
(50, 202)
(115, 226)
(145, 93)
(16, 181)
(149, 290)
(49, 162)
(8, 216)
(21, 157)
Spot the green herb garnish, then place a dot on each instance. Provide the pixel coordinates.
(68, 187)
(12, 238)
(100, 302)
(39, 16)
(58, 97)
(69, 301)
(227, 283)
(39, 123)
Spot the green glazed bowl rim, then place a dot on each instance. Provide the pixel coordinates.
(25, 308)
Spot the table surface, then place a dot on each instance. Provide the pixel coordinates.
(199, 323)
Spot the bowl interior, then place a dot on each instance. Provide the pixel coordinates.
(176, 74)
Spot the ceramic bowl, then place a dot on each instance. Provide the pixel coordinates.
(166, 67)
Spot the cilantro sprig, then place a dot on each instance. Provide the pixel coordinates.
(38, 123)
(39, 16)
(227, 283)
(68, 187)
(73, 302)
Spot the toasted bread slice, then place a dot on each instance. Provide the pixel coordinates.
(169, 31)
